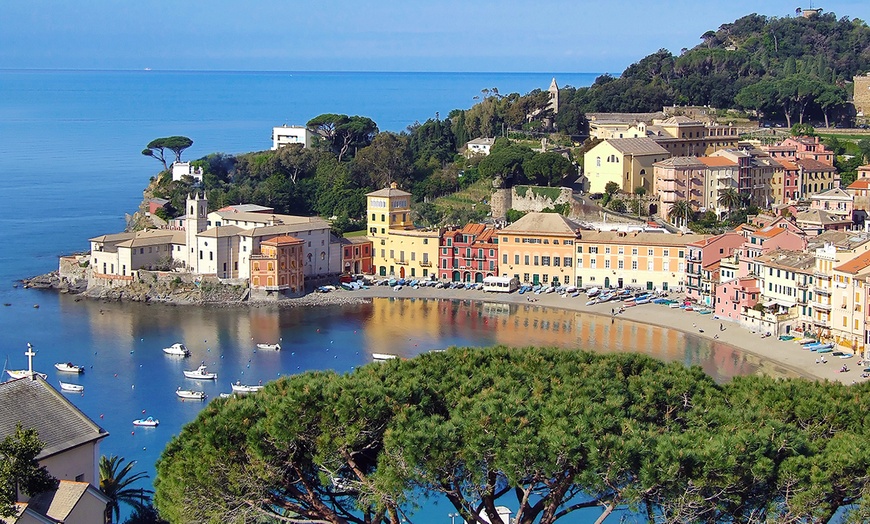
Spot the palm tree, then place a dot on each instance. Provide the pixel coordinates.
(680, 210)
(729, 198)
(114, 483)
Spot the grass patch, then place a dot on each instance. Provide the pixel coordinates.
(351, 234)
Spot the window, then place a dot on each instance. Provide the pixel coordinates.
(526, 260)
(545, 261)
(666, 253)
(556, 261)
(619, 264)
(567, 262)
(607, 250)
(593, 250)
(592, 263)
(517, 259)
(579, 249)
(649, 265)
(634, 265)
(620, 250)
(649, 252)
(607, 264)
(504, 258)
(634, 251)
(536, 260)
(579, 262)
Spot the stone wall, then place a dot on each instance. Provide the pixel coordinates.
(862, 94)
(532, 198)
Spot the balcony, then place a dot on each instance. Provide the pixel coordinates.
(425, 263)
(401, 262)
(802, 286)
(820, 306)
(823, 323)
(823, 276)
(822, 291)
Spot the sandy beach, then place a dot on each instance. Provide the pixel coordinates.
(785, 353)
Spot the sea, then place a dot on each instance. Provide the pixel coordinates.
(71, 168)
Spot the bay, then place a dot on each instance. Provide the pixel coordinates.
(71, 168)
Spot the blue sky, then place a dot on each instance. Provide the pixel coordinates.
(364, 35)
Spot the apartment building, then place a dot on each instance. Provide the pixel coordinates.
(469, 254)
(626, 161)
(539, 249)
(637, 259)
(703, 264)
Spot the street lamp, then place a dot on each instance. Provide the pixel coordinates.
(453, 517)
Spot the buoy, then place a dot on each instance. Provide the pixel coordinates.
(101, 415)
(132, 432)
(36, 306)
(143, 411)
(116, 375)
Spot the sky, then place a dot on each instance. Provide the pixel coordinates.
(365, 35)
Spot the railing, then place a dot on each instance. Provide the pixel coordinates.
(401, 262)
(426, 263)
(822, 291)
(820, 305)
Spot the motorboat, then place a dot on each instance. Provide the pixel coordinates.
(149, 422)
(383, 357)
(70, 387)
(177, 349)
(274, 347)
(191, 395)
(200, 373)
(238, 387)
(21, 373)
(69, 367)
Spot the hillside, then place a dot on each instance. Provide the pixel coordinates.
(752, 49)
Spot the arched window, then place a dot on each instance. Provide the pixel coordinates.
(598, 161)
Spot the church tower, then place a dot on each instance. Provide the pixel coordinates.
(554, 96)
(195, 222)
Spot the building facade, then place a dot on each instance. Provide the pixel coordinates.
(539, 249)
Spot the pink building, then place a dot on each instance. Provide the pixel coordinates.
(761, 241)
(735, 295)
(703, 255)
(679, 178)
(468, 254)
(790, 179)
(810, 147)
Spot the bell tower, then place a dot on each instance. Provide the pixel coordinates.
(195, 222)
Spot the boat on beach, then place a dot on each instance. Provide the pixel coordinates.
(149, 422)
(238, 387)
(69, 367)
(273, 347)
(190, 395)
(178, 349)
(70, 387)
(200, 373)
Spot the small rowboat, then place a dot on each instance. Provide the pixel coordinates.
(190, 395)
(149, 422)
(274, 347)
(383, 357)
(72, 388)
(69, 367)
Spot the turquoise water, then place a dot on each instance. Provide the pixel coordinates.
(71, 167)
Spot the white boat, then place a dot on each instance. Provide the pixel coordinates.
(147, 422)
(73, 388)
(187, 394)
(383, 356)
(69, 367)
(200, 373)
(21, 373)
(177, 349)
(238, 387)
(275, 347)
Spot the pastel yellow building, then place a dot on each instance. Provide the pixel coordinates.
(637, 259)
(539, 249)
(849, 302)
(626, 161)
(398, 249)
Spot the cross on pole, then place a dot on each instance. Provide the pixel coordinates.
(30, 354)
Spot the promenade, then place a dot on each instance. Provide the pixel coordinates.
(784, 353)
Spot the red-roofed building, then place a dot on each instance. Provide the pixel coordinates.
(279, 267)
(860, 191)
(356, 255)
(468, 254)
(785, 185)
(810, 147)
(816, 177)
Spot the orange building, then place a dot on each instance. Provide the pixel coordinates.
(539, 249)
(278, 267)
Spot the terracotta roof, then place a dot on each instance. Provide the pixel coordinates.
(715, 238)
(814, 165)
(861, 183)
(37, 405)
(281, 240)
(769, 232)
(856, 265)
(637, 146)
(544, 223)
(787, 164)
(716, 161)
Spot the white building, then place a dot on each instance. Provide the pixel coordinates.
(181, 169)
(286, 135)
(479, 146)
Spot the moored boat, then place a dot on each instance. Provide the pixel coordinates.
(69, 367)
(177, 349)
(275, 347)
(21, 373)
(200, 373)
(238, 387)
(70, 387)
(382, 357)
(188, 394)
(149, 422)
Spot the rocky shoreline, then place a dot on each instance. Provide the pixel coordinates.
(181, 294)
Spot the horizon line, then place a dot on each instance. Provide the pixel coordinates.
(151, 70)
